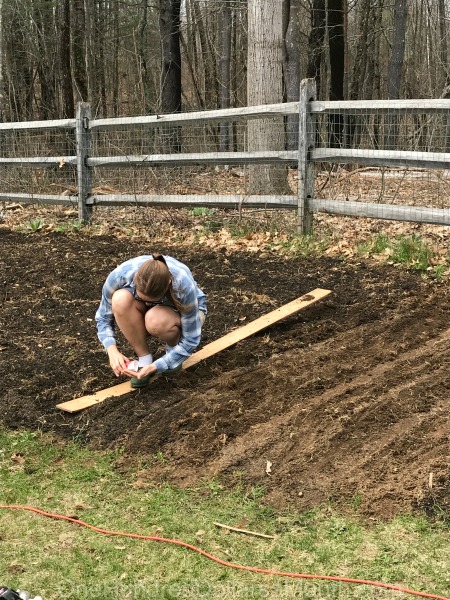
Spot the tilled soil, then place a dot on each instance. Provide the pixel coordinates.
(346, 401)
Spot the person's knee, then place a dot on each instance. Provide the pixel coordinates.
(121, 302)
(159, 322)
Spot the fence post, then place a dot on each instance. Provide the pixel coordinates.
(306, 140)
(84, 175)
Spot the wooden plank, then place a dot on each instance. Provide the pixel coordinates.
(78, 404)
(209, 350)
(263, 322)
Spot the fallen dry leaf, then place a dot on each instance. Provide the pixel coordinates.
(18, 458)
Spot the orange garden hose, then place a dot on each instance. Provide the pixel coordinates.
(223, 562)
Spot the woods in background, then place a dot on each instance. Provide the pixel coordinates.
(129, 57)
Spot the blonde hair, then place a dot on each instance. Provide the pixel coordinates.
(154, 279)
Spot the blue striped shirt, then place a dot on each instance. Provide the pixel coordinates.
(185, 289)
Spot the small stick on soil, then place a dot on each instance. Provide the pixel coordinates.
(246, 531)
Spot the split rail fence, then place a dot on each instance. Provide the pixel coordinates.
(383, 134)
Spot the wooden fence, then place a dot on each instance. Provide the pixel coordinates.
(305, 158)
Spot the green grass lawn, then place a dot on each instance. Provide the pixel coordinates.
(61, 560)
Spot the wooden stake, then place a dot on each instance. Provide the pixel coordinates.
(246, 531)
(222, 343)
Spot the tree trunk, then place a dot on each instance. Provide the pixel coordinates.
(291, 36)
(207, 56)
(91, 38)
(316, 43)
(337, 71)
(445, 66)
(65, 73)
(360, 66)
(171, 56)
(225, 75)
(79, 50)
(143, 73)
(361, 50)
(101, 37)
(444, 48)
(44, 24)
(16, 39)
(373, 54)
(265, 86)
(171, 69)
(395, 71)
(115, 83)
(2, 81)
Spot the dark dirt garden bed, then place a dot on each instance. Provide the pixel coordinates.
(349, 400)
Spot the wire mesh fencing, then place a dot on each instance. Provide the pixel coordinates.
(393, 155)
(38, 162)
(383, 160)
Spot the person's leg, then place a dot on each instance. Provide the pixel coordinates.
(164, 323)
(129, 314)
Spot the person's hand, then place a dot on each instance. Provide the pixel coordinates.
(117, 361)
(143, 371)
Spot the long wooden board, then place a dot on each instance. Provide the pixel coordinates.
(230, 339)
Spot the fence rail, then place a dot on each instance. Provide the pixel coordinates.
(383, 106)
(325, 133)
(55, 200)
(386, 158)
(233, 114)
(215, 201)
(212, 158)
